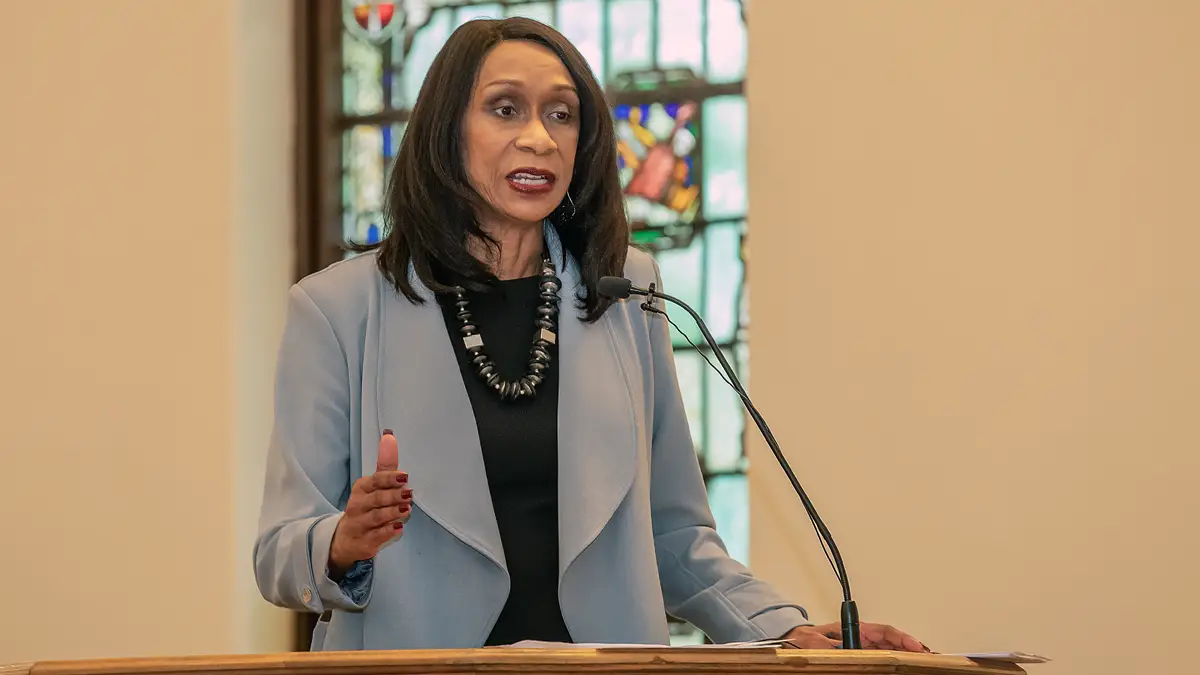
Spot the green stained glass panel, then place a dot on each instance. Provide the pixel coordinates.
(726, 421)
(690, 369)
(485, 11)
(730, 501)
(365, 168)
(723, 271)
(726, 42)
(362, 77)
(724, 130)
(582, 22)
(744, 308)
(686, 635)
(680, 26)
(416, 64)
(538, 11)
(742, 352)
(629, 36)
(682, 276)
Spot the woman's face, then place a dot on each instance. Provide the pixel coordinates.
(520, 133)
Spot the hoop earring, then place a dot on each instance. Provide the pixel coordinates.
(562, 208)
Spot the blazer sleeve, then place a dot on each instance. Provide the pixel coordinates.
(700, 582)
(308, 469)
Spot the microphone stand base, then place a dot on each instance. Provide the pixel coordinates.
(851, 636)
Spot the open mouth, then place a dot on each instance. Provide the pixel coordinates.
(531, 180)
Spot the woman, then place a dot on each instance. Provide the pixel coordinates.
(457, 459)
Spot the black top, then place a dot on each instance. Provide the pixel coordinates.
(520, 450)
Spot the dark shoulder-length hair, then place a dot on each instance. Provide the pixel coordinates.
(430, 205)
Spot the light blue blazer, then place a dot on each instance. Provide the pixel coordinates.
(636, 537)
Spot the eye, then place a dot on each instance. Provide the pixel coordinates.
(505, 110)
(561, 115)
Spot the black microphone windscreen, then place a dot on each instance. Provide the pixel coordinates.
(614, 287)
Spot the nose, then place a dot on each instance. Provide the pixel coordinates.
(536, 139)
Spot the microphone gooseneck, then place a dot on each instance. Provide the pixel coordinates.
(620, 288)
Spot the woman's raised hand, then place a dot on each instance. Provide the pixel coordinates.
(378, 507)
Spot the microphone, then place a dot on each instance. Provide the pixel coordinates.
(617, 288)
(620, 288)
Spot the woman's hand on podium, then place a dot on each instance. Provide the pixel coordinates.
(874, 636)
(378, 507)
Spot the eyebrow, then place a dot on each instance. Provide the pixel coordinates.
(519, 83)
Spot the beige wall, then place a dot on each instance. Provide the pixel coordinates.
(977, 316)
(144, 199)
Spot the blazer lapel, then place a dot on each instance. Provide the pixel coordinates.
(597, 437)
(423, 400)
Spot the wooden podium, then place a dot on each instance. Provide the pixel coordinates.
(541, 661)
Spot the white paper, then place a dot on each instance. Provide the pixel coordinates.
(1007, 657)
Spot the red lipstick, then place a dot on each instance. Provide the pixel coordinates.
(530, 180)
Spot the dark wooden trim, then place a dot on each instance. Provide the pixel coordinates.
(697, 93)
(304, 147)
(388, 116)
(327, 73)
(318, 85)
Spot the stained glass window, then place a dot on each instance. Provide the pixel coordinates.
(674, 73)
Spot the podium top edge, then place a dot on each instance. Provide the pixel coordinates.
(498, 660)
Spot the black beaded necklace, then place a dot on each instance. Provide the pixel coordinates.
(539, 353)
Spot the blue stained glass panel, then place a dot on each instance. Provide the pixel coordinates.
(680, 28)
(538, 11)
(582, 22)
(388, 143)
(726, 40)
(629, 36)
(730, 501)
(724, 129)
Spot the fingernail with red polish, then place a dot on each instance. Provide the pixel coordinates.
(406, 493)
(402, 478)
(388, 432)
(398, 526)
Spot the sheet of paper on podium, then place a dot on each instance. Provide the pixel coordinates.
(1006, 657)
